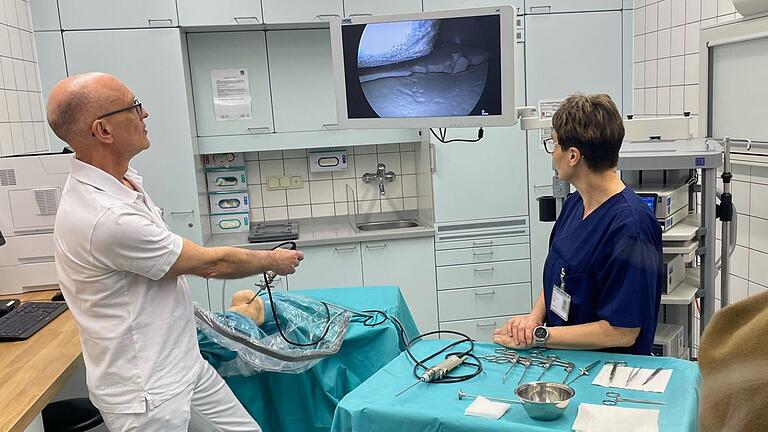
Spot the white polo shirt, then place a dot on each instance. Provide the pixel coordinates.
(137, 330)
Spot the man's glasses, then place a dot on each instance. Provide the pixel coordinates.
(549, 145)
(136, 106)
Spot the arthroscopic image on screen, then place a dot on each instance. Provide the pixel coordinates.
(423, 68)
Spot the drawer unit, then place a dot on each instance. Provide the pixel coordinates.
(468, 303)
(480, 330)
(485, 274)
(482, 254)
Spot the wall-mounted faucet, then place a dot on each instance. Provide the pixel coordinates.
(380, 176)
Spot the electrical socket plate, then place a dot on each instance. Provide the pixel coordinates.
(284, 182)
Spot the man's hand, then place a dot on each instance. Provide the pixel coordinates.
(501, 337)
(520, 329)
(285, 261)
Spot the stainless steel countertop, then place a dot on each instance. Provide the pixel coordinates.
(332, 230)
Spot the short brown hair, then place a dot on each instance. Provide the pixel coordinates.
(593, 125)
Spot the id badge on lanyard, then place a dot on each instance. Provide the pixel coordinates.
(561, 301)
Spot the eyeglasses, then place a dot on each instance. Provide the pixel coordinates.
(549, 145)
(136, 106)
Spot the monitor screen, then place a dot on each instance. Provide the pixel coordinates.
(439, 69)
(649, 200)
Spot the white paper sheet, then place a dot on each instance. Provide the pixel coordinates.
(231, 94)
(658, 384)
(601, 418)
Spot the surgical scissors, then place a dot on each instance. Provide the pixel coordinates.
(614, 398)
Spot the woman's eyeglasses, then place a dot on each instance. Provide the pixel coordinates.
(549, 145)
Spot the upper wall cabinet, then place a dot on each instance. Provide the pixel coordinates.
(212, 56)
(379, 7)
(50, 55)
(109, 14)
(280, 11)
(557, 6)
(435, 5)
(45, 15)
(301, 75)
(221, 12)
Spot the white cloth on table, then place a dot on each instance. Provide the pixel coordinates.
(482, 407)
(601, 418)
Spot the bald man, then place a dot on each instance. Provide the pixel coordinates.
(122, 270)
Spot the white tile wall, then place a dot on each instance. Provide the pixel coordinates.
(325, 194)
(22, 121)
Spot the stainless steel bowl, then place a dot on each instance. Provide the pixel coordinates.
(545, 400)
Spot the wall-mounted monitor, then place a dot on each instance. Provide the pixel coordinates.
(433, 69)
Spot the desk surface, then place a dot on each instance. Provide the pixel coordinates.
(34, 370)
(372, 406)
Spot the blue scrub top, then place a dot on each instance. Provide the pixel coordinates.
(613, 264)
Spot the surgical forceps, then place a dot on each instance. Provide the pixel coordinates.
(614, 364)
(613, 398)
(547, 363)
(494, 358)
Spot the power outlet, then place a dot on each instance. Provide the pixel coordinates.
(284, 182)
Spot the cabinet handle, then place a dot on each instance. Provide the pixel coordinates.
(484, 270)
(246, 19)
(482, 253)
(258, 130)
(359, 15)
(544, 9)
(330, 125)
(189, 212)
(482, 244)
(322, 17)
(157, 22)
(348, 249)
(493, 324)
(379, 247)
(478, 294)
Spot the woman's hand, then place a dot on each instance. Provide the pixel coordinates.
(520, 329)
(501, 337)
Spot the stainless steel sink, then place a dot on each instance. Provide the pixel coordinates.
(375, 226)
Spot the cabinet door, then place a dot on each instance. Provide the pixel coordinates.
(378, 7)
(434, 5)
(209, 52)
(150, 63)
(486, 179)
(574, 53)
(554, 6)
(106, 14)
(279, 11)
(50, 59)
(409, 264)
(45, 15)
(301, 77)
(221, 12)
(332, 266)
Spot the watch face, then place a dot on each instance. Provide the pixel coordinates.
(540, 333)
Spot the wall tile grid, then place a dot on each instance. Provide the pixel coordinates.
(22, 119)
(666, 53)
(325, 193)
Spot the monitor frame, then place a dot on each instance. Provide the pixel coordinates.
(508, 42)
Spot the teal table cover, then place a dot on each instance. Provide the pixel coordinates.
(372, 407)
(306, 402)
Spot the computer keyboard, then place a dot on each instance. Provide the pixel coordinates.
(24, 321)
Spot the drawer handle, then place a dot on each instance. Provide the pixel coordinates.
(246, 19)
(330, 125)
(384, 246)
(159, 22)
(493, 324)
(359, 15)
(348, 249)
(483, 270)
(543, 9)
(257, 130)
(326, 17)
(482, 244)
(482, 253)
(478, 294)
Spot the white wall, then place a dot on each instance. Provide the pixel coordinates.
(22, 120)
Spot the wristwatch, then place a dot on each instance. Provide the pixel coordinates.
(540, 335)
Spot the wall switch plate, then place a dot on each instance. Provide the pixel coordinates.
(273, 183)
(285, 182)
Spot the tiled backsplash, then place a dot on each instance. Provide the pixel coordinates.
(325, 193)
(666, 53)
(22, 119)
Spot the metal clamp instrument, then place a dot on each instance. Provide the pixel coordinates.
(584, 371)
(613, 398)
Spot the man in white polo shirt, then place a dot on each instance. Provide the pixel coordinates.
(121, 271)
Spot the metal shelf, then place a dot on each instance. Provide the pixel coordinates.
(667, 155)
(683, 231)
(687, 249)
(685, 292)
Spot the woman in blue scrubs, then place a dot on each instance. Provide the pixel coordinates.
(604, 271)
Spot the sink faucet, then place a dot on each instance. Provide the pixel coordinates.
(381, 176)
